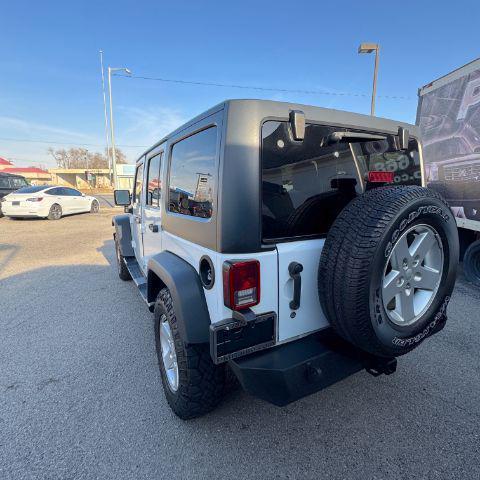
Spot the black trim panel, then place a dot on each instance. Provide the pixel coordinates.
(288, 372)
(186, 290)
(123, 234)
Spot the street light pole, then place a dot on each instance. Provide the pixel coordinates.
(112, 134)
(105, 118)
(369, 48)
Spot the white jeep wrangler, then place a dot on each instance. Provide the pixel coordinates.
(288, 244)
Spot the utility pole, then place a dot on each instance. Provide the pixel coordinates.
(106, 119)
(112, 134)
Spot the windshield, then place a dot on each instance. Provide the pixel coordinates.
(32, 189)
(306, 185)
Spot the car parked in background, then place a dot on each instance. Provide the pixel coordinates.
(47, 201)
(9, 183)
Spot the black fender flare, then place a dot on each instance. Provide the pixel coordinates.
(123, 234)
(182, 280)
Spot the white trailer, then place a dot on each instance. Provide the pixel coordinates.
(448, 115)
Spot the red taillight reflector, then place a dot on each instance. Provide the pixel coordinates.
(241, 284)
(380, 177)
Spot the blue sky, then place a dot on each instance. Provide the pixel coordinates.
(50, 86)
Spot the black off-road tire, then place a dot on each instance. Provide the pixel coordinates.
(55, 212)
(202, 384)
(471, 263)
(123, 272)
(353, 262)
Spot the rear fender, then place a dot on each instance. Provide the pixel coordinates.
(182, 280)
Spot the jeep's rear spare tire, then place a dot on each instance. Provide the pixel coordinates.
(388, 268)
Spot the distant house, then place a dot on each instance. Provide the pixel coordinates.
(4, 163)
(34, 175)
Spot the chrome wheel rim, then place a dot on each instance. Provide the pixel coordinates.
(95, 207)
(412, 275)
(169, 356)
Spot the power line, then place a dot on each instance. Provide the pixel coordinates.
(267, 89)
(25, 140)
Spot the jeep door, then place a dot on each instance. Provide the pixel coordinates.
(152, 210)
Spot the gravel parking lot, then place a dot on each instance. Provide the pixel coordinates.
(81, 397)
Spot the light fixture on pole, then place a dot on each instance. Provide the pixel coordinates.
(369, 48)
(112, 134)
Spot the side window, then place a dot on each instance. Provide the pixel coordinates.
(154, 186)
(192, 174)
(137, 193)
(5, 183)
(53, 191)
(18, 182)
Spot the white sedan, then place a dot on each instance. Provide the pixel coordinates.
(45, 201)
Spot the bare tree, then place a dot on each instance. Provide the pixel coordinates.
(82, 158)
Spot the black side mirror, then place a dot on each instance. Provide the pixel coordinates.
(122, 197)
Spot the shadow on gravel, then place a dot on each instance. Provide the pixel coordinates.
(108, 252)
(7, 254)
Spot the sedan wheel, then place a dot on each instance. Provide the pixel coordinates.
(55, 212)
(95, 207)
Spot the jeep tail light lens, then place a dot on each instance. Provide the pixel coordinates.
(241, 284)
(380, 177)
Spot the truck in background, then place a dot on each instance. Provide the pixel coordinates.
(448, 115)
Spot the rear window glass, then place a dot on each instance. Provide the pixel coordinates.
(305, 185)
(32, 189)
(4, 183)
(192, 174)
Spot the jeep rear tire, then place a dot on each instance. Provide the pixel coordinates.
(192, 383)
(388, 268)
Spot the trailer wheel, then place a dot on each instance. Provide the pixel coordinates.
(388, 268)
(471, 263)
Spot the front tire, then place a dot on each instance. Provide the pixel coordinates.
(55, 212)
(123, 272)
(192, 383)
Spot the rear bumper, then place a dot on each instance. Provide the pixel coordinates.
(24, 210)
(294, 370)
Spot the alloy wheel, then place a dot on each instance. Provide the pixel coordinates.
(412, 275)
(169, 356)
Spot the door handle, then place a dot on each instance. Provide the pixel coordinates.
(295, 269)
(153, 227)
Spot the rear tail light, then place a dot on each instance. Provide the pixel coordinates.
(241, 284)
(380, 177)
(35, 199)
